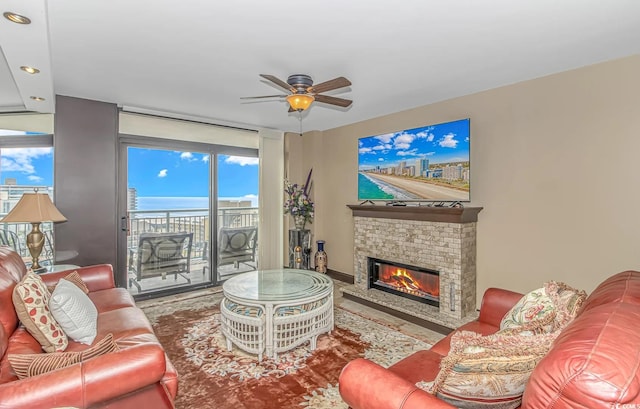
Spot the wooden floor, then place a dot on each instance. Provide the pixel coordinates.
(199, 274)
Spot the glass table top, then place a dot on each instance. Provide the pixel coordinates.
(276, 285)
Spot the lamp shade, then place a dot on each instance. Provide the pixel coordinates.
(300, 102)
(33, 208)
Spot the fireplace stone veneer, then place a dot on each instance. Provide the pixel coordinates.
(440, 239)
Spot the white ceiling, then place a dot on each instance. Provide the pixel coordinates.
(199, 57)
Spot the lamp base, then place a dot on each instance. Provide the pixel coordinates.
(35, 242)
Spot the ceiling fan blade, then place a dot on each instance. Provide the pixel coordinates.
(335, 83)
(264, 96)
(278, 82)
(333, 100)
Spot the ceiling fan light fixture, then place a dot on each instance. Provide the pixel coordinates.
(300, 102)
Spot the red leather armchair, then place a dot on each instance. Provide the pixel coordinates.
(139, 375)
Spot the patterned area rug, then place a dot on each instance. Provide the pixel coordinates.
(210, 376)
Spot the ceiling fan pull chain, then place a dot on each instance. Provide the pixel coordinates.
(300, 118)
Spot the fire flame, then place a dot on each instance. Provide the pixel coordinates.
(403, 280)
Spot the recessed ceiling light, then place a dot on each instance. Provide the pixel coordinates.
(16, 18)
(30, 70)
(37, 98)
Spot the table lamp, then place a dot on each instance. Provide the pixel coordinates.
(34, 208)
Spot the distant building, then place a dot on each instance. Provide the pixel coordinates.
(452, 172)
(422, 167)
(11, 193)
(234, 203)
(132, 198)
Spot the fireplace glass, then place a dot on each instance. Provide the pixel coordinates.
(415, 283)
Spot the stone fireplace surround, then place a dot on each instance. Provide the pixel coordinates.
(436, 238)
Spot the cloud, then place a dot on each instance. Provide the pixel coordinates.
(187, 156)
(241, 160)
(11, 132)
(364, 150)
(412, 152)
(403, 141)
(448, 141)
(205, 158)
(34, 178)
(21, 159)
(384, 147)
(162, 173)
(380, 159)
(386, 138)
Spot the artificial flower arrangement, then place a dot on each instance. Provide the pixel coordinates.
(298, 204)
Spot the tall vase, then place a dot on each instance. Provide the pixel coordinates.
(299, 222)
(320, 259)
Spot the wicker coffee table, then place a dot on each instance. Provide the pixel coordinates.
(272, 311)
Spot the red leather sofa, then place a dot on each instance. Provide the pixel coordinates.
(138, 375)
(594, 362)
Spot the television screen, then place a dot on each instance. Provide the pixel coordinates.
(430, 163)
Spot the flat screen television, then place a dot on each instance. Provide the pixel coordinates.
(430, 163)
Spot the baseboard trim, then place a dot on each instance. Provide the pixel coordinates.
(337, 275)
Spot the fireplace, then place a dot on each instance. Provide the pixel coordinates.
(415, 283)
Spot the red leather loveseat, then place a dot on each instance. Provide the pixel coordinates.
(138, 375)
(593, 363)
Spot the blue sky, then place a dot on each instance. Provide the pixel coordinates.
(160, 173)
(29, 166)
(153, 172)
(441, 143)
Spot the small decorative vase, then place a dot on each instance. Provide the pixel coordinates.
(320, 259)
(299, 222)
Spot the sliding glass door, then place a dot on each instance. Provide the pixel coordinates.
(169, 242)
(237, 222)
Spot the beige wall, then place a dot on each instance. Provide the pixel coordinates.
(554, 163)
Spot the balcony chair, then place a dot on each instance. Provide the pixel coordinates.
(237, 245)
(159, 255)
(9, 238)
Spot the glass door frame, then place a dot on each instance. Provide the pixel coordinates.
(124, 142)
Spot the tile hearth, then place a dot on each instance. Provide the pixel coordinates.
(406, 307)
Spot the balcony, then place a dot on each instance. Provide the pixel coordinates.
(195, 221)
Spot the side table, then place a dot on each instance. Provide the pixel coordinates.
(55, 268)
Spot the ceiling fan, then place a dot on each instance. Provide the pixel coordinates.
(303, 92)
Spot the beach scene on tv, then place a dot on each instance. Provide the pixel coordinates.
(429, 163)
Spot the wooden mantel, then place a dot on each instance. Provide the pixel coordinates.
(423, 213)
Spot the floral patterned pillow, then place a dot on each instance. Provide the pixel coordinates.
(488, 371)
(534, 306)
(31, 301)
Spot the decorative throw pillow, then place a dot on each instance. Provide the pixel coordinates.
(26, 365)
(567, 302)
(534, 306)
(31, 301)
(488, 371)
(75, 312)
(75, 279)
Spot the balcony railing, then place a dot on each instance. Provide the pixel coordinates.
(15, 235)
(194, 221)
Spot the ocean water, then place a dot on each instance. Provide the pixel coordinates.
(367, 190)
